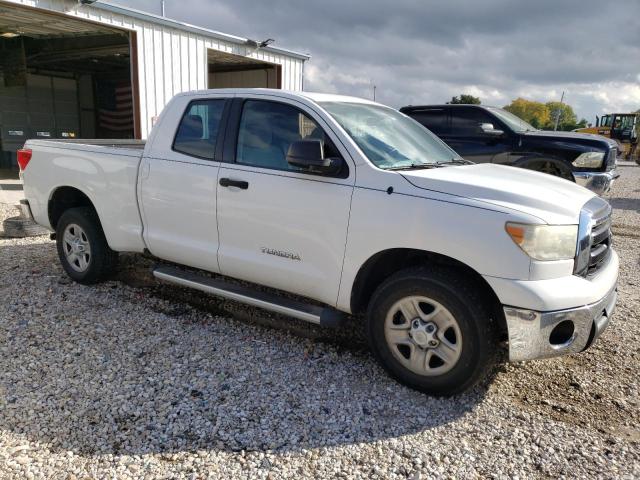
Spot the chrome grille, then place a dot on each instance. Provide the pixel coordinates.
(600, 244)
(611, 158)
(594, 237)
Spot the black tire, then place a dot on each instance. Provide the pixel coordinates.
(550, 167)
(19, 227)
(479, 331)
(103, 260)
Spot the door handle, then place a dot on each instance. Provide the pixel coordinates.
(227, 182)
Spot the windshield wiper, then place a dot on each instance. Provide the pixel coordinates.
(415, 166)
(457, 161)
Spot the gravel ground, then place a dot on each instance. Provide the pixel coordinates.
(132, 379)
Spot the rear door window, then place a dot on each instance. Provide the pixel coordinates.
(198, 129)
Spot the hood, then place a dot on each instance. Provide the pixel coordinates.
(571, 137)
(551, 199)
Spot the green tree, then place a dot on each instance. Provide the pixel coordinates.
(582, 123)
(465, 99)
(536, 113)
(567, 120)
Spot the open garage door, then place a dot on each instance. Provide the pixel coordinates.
(234, 71)
(61, 77)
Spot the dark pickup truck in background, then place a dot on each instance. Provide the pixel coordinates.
(485, 134)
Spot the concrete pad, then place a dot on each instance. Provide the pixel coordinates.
(10, 187)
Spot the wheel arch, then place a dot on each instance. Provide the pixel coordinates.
(560, 162)
(387, 262)
(63, 198)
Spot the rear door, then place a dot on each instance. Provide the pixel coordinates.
(469, 141)
(177, 183)
(279, 226)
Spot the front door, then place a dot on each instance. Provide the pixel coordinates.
(470, 142)
(178, 187)
(279, 226)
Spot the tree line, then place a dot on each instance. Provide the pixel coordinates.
(540, 115)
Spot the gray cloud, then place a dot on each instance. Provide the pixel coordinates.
(422, 52)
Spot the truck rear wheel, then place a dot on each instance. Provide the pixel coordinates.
(430, 330)
(82, 246)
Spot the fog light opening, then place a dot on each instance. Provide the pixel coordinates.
(562, 333)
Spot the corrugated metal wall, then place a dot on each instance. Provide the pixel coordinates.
(162, 49)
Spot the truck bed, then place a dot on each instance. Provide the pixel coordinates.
(105, 171)
(100, 142)
(125, 147)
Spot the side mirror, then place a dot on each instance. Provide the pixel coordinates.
(487, 129)
(309, 155)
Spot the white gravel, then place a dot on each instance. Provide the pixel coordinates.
(131, 380)
(624, 199)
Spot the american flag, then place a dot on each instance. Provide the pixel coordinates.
(115, 110)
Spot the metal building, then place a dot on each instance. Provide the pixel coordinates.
(74, 70)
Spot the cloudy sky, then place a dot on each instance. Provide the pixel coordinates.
(427, 51)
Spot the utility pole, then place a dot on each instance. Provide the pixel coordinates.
(558, 112)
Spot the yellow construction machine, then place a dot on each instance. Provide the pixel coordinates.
(622, 127)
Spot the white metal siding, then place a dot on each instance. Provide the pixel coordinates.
(170, 60)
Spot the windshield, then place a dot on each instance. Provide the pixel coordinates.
(389, 138)
(515, 123)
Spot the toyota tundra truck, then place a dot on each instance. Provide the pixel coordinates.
(322, 206)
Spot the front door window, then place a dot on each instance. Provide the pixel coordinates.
(267, 129)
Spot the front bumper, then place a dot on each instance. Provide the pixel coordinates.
(598, 182)
(535, 334)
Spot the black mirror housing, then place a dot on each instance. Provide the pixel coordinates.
(309, 155)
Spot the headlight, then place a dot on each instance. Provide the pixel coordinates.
(589, 160)
(545, 242)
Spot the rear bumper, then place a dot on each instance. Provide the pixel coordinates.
(26, 209)
(534, 335)
(598, 182)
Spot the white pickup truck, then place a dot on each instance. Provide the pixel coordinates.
(339, 206)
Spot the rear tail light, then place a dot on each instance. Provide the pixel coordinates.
(24, 155)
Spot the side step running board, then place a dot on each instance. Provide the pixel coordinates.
(326, 317)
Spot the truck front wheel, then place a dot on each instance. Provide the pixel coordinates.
(549, 166)
(431, 331)
(82, 246)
